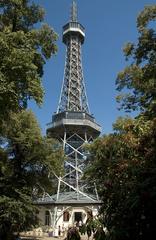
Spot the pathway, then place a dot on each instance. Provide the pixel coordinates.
(83, 237)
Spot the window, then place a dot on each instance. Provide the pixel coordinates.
(47, 218)
(66, 216)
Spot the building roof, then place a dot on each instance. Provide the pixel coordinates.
(67, 198)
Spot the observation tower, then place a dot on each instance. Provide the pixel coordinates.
(73, 126)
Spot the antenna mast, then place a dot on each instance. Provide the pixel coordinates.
(73, 12)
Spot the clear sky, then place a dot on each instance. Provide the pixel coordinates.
(109, 24)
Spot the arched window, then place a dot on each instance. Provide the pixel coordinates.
(47, 218)
(66, 216)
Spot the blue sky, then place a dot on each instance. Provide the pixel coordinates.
(109, 24)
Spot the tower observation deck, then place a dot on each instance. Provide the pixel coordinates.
(73, 125)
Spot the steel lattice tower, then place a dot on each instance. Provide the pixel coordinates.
(72, 124)
(73, 94)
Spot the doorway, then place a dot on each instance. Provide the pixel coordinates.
(77, 216)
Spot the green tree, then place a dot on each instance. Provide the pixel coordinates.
(140, 76)
(24, 49)
(27, 161)
(123, 163)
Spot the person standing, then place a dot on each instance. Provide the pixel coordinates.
(59, 231)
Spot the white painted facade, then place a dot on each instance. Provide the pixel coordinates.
(75, 213)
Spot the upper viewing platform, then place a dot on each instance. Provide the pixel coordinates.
(73, 27)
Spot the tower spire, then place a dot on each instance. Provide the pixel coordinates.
(73, 17)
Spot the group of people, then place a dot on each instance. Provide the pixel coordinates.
(97, 232)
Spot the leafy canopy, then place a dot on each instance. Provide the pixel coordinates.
(27, 159)
(122, 164)
(24, 49)
(140, 76)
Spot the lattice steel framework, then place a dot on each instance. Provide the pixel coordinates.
(73, 94)
(74, 166)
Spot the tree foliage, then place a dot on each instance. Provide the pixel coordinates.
(123, 166)
(27, 159)
(24, 49)
(140, 76)
(123, 163)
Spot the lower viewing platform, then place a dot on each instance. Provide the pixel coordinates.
(73, 121)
